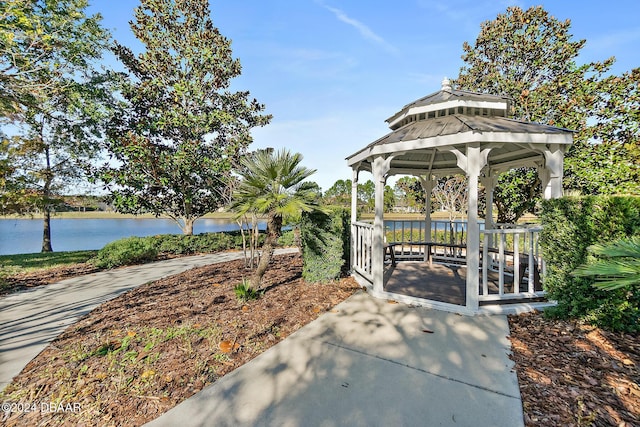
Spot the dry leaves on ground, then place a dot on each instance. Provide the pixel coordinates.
(575, 375)
(142, 353)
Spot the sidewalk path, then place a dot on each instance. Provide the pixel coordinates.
(370, 363)
(31, 319)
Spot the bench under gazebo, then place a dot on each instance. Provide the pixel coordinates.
(469, 267)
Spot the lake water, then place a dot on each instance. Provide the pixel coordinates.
(20, 236)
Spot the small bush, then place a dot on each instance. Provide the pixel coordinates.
(570, 226)
(325, 245)
(179, 244)
(127, 251)
(288, 238)
(244, 292)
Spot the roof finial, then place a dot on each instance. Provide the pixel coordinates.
(446, 84)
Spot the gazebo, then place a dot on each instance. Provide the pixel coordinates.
(458, 132)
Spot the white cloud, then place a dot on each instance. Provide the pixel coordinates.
(362, 28)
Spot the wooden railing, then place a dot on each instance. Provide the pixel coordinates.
(362, 242)
(510, 263)
(511, 253)
(409, 237)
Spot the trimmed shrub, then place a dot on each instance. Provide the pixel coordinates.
(325, 245)
(127, 251)
(179, 244)
(570, 226)
(288, 238)
(136, 250)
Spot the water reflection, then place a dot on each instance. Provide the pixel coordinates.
(18, 236)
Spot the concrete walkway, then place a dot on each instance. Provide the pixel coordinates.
(30, 320)
(370, 363)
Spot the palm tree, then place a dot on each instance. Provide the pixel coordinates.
(618, 264)
(272, 186)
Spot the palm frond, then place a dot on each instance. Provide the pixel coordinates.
(628, 247)
(618, 265)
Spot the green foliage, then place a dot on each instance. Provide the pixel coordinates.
(245, 292)
(410, 193)
(617, 264)
(570, 227)
(289, 238)
(13, 265)
(179, 131)
(130, 250)
(518, 192)
(339, 193)
(273, 184)
(529, 56)
(180, 244)
(43, 43)
(325, 245)
(53, 95)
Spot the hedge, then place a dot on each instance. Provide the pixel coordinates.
(325, 244)
(570, 226)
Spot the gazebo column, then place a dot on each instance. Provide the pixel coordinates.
(472, 163)
(551, 175)
(427, 184)
(380, 168)
(354, 214)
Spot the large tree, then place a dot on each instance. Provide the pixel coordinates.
(531, 57)
(339, 193)
(411, 193)
(41, 41)
(54, 97)
(180, 130)
(273, 185)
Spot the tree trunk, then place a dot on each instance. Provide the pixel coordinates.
(265, 259)
(46, 205)
(274, 226)
(46, 230)
(187, 229)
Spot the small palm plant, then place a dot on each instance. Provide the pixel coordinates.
(618, 264)
(272, 185)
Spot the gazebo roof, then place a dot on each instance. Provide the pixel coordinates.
(426, 133)
(440, 103)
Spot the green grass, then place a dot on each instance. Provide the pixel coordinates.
(23, 263)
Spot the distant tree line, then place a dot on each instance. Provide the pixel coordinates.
(167, 135)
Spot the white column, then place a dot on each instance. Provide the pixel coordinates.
(354, 215)
(427, 184)
(473, 232)
(380, 169)
(354, 196)
(472, 163)
(554, 165)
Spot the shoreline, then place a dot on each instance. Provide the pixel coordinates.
(111, 215)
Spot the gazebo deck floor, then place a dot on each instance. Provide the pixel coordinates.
(438, 282)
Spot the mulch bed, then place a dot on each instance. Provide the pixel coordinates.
(142, 353)
(575, 375)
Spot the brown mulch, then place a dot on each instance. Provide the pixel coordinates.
(572, 374)
(142, 353)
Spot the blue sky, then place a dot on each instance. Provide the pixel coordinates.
(331, 71)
